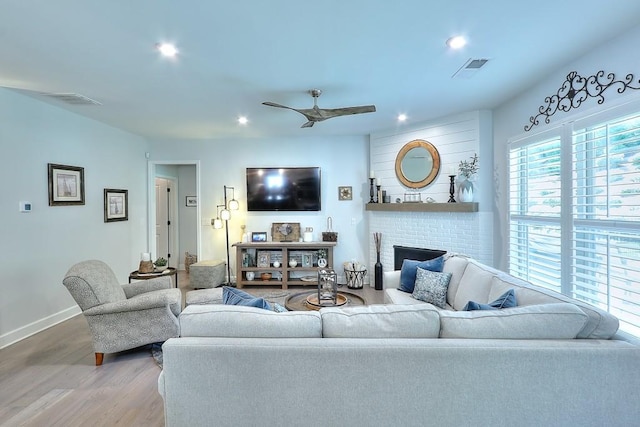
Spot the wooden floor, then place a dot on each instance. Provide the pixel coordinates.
(50, 379)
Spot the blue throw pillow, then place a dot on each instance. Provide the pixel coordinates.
(506, 300)
(410, 268)
(233, 296)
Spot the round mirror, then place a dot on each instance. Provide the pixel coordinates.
(417, 164)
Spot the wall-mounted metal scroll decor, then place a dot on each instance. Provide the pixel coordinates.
(577, 89)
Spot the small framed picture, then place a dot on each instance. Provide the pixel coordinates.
(307, 259)
(259, 236)
(264, 259)
(345, 193)
(191, 201)
(66, 185)
(116, 205)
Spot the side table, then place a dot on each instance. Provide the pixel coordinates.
(171, 271)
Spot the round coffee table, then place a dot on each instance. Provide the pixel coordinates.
(298, 302)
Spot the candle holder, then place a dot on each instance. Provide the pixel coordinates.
(452, 188)
(378, 194)
(371, 189)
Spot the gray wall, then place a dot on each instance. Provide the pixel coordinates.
(37, 248)
(343, 161)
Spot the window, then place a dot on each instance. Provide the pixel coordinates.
(574, 208)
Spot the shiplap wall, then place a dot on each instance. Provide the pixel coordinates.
(456, 138)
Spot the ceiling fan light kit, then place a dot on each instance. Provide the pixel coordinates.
(317, 114)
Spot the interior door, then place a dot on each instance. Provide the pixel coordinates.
(165, 218)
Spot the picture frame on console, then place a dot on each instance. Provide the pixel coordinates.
(264, 259)
(259, 236)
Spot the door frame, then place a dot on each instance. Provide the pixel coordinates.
(151, 201)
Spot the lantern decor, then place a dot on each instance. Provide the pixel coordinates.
(327, 287)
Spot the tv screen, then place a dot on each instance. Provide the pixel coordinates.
(283, 189)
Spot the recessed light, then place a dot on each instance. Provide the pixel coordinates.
(456, 42)
(402, 117)
(243, 120)
(167, 49)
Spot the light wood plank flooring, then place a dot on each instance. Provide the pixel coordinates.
(50, 379)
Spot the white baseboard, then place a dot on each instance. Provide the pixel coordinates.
(38, 326)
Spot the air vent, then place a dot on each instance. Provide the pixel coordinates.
(469, 68)
(71, 98)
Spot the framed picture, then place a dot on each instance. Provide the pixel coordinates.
(191, 201)
(259, 236)
(285, 231)
(345, 193)
(307, 259)
(66, 185)
(116, 205)
(264, 259)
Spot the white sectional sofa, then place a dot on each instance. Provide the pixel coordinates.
(406, 363)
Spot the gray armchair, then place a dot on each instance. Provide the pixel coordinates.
(122, 317)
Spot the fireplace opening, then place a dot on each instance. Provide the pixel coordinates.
(400, 253)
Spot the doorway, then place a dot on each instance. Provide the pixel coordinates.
(166, 220)
(173, 225)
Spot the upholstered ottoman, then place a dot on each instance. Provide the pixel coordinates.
(207, 274)
(204, 296)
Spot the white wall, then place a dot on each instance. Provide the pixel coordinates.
(38, 248)
(614, 56)
(456, 138)
(343, 161)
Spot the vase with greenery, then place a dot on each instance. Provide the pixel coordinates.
(467, 171)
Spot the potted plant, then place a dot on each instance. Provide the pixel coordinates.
(161, 264)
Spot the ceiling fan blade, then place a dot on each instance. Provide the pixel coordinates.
(273, 104)
(335, 112)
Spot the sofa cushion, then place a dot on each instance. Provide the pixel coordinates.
(381, 321)
(431, 287)
(548, 321)
(409, 270)
(601, 324)
(506, 300)
(475, 285)
(455, 264)
(217, 320)
(233, 296)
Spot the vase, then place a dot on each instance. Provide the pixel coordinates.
(465, 191)
(378, 273)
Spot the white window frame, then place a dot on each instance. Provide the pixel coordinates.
(566, 220)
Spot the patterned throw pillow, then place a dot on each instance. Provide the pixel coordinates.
(431, 287)
(410, 268)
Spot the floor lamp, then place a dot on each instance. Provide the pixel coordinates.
(225, 215)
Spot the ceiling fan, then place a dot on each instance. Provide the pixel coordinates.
(317, 114)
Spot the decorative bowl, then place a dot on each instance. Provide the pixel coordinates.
(266, 276)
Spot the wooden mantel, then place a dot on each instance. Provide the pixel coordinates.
(422, 207)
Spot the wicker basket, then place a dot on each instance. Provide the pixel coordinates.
(329, 236)
(188, 260)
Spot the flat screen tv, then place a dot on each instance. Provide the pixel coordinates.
(283, 189)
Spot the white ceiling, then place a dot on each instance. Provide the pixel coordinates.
(236, 54)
